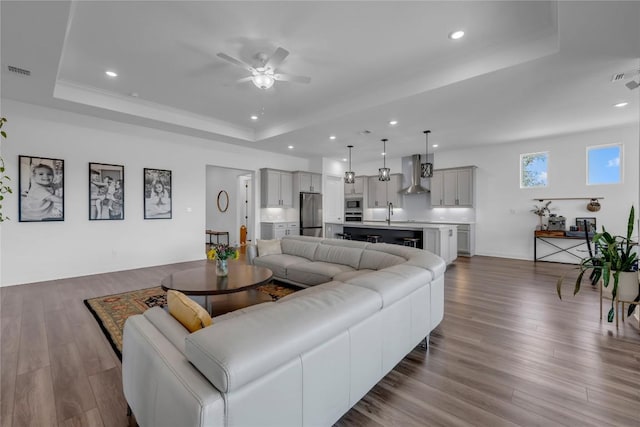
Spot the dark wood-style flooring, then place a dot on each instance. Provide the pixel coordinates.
(507, 353)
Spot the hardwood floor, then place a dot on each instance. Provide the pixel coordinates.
(507, 353)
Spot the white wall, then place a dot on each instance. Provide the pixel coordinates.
(76, 246)
(504, 223)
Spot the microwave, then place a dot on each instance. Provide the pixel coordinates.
(353, 204)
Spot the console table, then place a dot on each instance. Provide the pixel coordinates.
(547, 238)
(211, 233)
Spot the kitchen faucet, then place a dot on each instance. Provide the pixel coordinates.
(389, 212)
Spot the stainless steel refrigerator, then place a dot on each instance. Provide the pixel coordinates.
(311, 214)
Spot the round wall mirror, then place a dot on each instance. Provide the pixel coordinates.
(223, 201)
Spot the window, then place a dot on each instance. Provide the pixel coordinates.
(533, 170)
(604, 164)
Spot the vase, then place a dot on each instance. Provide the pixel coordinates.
(222, 267)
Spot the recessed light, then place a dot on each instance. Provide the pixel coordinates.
(290, 147)
(332, 137)
(621, 104)
(455, 35)
(344, 160)
(254, 117)
(383, 153)
(435, 145)
(111, 73)
(393, 122)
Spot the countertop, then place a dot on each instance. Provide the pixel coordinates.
(396, 225)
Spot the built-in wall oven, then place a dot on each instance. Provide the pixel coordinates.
(353, 209)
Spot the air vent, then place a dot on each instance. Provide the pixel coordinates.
(626, 75)
(365, 132)
(19, 70)
(616, 77)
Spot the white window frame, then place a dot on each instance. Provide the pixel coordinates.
(595, 147)
(521, 176)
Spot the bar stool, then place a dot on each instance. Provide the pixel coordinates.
(411, 241)
(344, 236)
(374, 238)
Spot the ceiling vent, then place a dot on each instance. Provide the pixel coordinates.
(626, 75)
(365, 132)
(17, 70)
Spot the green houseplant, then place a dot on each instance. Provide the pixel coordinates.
(612, 258)
(4, 187)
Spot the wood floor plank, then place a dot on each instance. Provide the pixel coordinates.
(33, 399)
(10, 334)
(33, 352)
(58, 328)
(90, 418)
(95, 352)
(8, 369)
(107, 389)
(73, 395)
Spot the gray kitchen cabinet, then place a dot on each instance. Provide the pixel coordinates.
(307, 182)
(355, 189)
(276, 188)
(383, 192)
(453, 187)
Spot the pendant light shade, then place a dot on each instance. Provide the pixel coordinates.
(349, 176)
(426, 169)
(384, 173)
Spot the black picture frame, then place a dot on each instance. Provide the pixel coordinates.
(41, 189)
(106, 192)
(591, 221)
(157, 194)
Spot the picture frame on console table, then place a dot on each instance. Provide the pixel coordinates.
(157, 194)
(591, 223)
(106, 192)
(41, 186)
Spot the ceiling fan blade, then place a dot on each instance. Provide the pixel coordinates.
(291, 78)
(235, 61)
(276, 59)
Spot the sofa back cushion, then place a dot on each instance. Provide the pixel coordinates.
(269, 247)
(338, 255)
(299, 248)
(375, 260)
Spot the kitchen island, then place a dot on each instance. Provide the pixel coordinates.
(437, 238)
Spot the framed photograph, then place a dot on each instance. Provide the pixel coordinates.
(591, 224)
(41, 185)
(106, 191)
(157, 194)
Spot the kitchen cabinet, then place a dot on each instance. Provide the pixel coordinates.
(466, 237)
(453, 187)
(307, 182)
(383, 192)
(442, 241)
(355, 189)
(332, 229)
(277, 230)
(276, 188)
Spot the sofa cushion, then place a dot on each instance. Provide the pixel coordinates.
(280, 332)
(338, 255)
(409, 272)
(269, 247)
(278, 263)
(299, 248)
(390, 286)
(345, 243)
(346, 275)
(188, 312)
(375, 260)
(314, 273)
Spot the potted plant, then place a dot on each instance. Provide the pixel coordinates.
(615, 263)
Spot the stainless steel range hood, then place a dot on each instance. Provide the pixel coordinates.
(414, 175)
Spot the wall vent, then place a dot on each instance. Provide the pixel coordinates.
(19, 70)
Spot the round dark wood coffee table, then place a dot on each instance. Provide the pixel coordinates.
(204, 281)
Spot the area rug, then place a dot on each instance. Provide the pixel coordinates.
(112, 311)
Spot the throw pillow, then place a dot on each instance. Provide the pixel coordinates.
(269, 247)
(187, 311)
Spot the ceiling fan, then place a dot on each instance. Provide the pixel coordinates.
(631, 84)
(264, 75)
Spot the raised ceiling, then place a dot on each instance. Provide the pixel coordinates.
(523, 69)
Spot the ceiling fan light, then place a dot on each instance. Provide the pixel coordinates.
(263, 81)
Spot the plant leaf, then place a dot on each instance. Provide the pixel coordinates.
(610, 315)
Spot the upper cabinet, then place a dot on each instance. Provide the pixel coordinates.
(355, 189)
(453, 187)
(307, 182)
(383, 192)
(276, 188)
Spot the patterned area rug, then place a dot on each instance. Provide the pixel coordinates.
(111, 311)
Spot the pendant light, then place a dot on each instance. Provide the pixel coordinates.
(384, 173)
(426, 168)
(349, 176)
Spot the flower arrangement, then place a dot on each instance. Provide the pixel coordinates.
(222, 251)
(541, 211)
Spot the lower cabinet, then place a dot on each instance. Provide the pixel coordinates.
(442, 241)
(277, 230)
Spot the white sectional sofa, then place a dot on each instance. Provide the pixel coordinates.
(304, 360)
